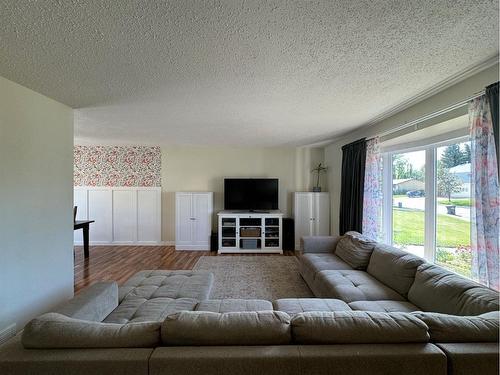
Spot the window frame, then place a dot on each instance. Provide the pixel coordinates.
(430, 213)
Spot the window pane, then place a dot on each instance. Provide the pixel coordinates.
(408, 201)
(453, 208)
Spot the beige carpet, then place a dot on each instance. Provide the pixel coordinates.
(263, 277)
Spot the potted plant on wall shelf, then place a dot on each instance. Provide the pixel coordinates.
(318, 170)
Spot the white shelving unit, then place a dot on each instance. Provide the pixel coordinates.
(250, 232)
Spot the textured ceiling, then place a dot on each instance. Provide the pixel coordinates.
(237, 72)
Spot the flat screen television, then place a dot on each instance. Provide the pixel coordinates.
(254, 194)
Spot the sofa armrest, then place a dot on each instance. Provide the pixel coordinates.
(319, 244)
(93, 303)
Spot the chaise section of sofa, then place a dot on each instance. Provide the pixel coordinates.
(105, 328)
(152, 295)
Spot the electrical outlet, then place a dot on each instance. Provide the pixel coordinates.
(7, 333)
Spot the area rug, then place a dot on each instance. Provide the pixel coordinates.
(262, 277)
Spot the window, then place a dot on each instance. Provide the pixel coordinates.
(453, 206)
(408, 201)
(427, 209)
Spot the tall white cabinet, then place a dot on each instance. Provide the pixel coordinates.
(193, 220)
(311, 213)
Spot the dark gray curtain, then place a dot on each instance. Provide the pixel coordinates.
(352, 186)
(492, 94)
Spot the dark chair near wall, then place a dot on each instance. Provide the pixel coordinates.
(84, 225)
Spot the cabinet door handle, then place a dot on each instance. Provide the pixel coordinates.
(192, 218)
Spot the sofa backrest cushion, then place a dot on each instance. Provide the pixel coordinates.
(438, 290)
(357, 327)
(93, 303)
(394, 267)
(198, 328)
(355, 250)
(453, 328)
(56, 331)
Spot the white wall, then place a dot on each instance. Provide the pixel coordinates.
(307, 158)
(36, 201)
(192, 168)
(452, 95)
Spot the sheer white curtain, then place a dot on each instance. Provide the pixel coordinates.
(372, 198)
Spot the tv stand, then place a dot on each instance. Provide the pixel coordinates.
(250, 232)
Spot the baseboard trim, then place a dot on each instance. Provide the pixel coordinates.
(193, 248)
(102, 243)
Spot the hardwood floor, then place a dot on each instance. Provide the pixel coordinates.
(120, 262)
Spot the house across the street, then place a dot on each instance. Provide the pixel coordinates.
(463, 173)
(403, 185)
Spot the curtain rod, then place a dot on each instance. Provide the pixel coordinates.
(430, 115)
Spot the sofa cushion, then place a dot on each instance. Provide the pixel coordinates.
(438, 290)
(168, 284)
(137, 309)
(384, 306)
(355, 250)
(394, 267)
(198, 328)
(234, 305)
(314, 263)
(92, 303)
(453, 328)
(57, 331)
(352, 286)
(294, 306)
(357, 327)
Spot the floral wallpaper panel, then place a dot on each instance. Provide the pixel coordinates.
(117, 166)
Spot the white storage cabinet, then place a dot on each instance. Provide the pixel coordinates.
(311, 213)
(193, 220)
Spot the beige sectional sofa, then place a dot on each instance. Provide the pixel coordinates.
(462, 315)
(378, 311)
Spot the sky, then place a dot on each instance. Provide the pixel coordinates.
(417, 158)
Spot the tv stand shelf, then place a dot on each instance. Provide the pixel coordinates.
(248, 232)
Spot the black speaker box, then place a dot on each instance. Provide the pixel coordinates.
(214, 242)
(288, 234)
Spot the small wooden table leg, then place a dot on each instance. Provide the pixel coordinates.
(86, 240)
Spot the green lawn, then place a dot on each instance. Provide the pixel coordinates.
(456, 202)
(408, 229)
